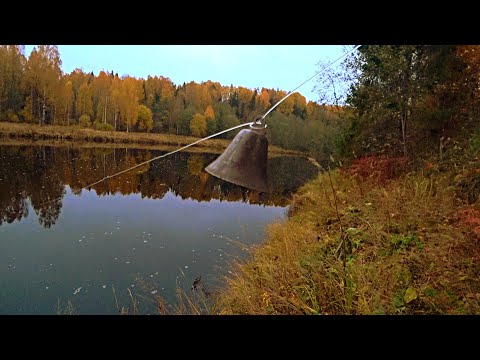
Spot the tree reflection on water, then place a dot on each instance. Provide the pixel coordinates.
(39, 174)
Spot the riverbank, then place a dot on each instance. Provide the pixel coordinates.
(37, 133)
(378, 237)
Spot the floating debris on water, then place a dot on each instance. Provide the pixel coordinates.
(197, 283)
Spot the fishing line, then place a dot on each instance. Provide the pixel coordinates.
(216, 134)
(155, 158)
(167, 154)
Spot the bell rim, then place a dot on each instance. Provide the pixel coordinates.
(261, 188)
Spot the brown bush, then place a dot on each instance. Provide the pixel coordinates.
(379, 169)
(468, 219)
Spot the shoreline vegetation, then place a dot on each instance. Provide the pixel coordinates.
(48, 135)
(377, 237)
(381, 235)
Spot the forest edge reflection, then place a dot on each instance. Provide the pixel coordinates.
(41, 173)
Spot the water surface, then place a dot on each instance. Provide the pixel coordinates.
(151, 230)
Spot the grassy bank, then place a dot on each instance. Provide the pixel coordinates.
(140, 140)
(88, 145)
(378, 237)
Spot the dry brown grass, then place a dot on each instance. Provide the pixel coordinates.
(403, 253)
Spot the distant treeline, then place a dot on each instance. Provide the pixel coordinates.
(401, 99)
(35, 90)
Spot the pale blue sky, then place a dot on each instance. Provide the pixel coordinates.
(271, 66)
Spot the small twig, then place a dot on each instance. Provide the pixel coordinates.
(238, 243)
(135, 310)
(115, 296)
(343, 237)
(338, 248)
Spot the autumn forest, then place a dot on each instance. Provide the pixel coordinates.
(35, 90)
(377, 211)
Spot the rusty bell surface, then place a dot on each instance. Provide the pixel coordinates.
(244, 161)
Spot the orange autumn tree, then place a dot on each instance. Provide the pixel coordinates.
(210, 117)
(129, 96)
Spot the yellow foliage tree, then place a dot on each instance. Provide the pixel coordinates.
(68, 100)
(42, 77)
(84, 103)
(198, 125)
(300, 103)
(287, 105)
(129, 95)
(101, 93)
(145, 118)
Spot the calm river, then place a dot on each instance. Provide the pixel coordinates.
(152, 230)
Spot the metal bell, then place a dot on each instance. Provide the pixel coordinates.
(244, 161)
